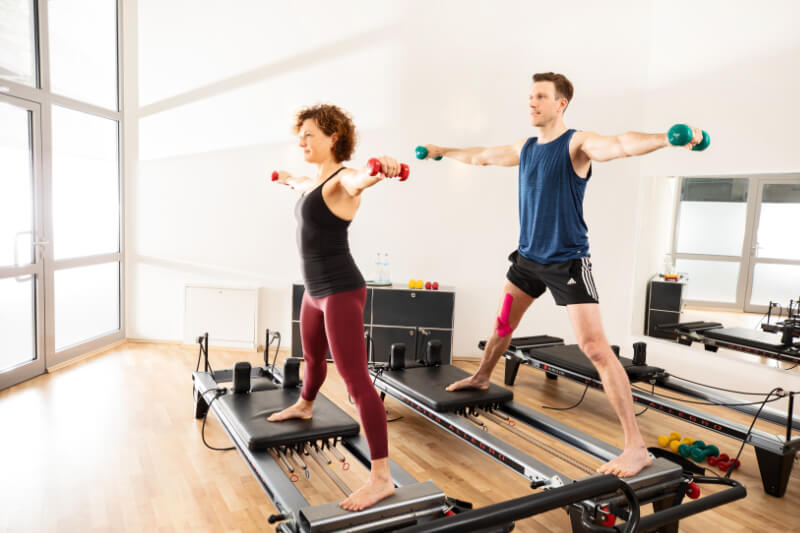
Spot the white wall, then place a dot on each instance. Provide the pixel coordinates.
(211, 92)
(215, 94)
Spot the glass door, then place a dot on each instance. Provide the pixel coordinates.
(774, 270)
(22, 350)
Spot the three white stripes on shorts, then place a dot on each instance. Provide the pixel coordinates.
(588, 282)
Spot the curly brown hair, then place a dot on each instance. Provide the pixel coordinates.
(331, 119)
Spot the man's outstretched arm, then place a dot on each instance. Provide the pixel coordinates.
(595, 147)
(505, 156)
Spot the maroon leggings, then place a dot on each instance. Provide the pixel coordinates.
(338, 320)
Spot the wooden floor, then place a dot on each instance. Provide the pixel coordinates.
(110, 444)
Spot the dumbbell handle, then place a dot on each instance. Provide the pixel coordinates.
(422, 153)
(374, 167)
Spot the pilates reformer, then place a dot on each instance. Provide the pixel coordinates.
(775, 341)
(775, 452)
(664, 484)
(275, 452)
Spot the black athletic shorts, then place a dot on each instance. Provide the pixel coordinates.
(570, 282)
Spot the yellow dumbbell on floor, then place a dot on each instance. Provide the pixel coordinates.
(674, 445)
(665, 441)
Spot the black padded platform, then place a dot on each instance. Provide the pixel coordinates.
(747, 337)
(247, 415)
(520, 343)
(426, 384)
(700, 326)
(570, 357)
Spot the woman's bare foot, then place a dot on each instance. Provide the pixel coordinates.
(301, 409)
(378, 487)
(629, 463)
(472, 382)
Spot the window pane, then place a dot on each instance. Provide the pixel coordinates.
(778, 283)
(710, 281)
(16, 186)
(83, 50)
(85, 184)
(17, 50)
(778, 237)
(86, 303)
(17, 321)
(712, 216)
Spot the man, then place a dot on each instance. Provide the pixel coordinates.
(553, 247)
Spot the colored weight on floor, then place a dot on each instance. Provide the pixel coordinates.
(412, 283)
(700, 455)
(435, 285)
(684, 450)
(428, 285)
(418, 284)
(719, 459)
(673, 445)
(693, 491)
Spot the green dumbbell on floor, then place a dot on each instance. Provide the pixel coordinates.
(422, 152)
(681, 134)
(700, 455)
(685, 450)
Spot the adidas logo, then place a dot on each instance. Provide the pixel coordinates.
(571, 282)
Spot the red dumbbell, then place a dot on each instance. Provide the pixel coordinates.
(374, 167)
(713, 461)
(428, 285)
(693, 491)
(729, 465)
(274, 175)
(435, 285)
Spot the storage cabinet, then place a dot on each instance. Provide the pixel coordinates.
(663, 306)
(396, 314)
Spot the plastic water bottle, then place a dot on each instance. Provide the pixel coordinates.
(387, 271)
(378, 268)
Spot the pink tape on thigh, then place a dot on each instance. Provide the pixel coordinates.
(503, 325)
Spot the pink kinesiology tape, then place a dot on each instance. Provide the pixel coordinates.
(503, 325)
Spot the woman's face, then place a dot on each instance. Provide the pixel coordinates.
(317, 147)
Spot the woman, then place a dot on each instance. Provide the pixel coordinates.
(333, 305)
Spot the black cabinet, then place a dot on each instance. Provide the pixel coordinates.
(396, 314)
(663, 306)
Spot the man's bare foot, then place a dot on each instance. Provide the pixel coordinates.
(370, 493)
(301, 409)
(472, 382)
(629, 463)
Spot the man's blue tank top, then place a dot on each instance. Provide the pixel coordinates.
(552, 229)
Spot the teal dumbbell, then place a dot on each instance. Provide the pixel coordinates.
(681, 134)
(700, 455)
(422, 153)
(685, 450)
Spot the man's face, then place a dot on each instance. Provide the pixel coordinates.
(543, 104)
